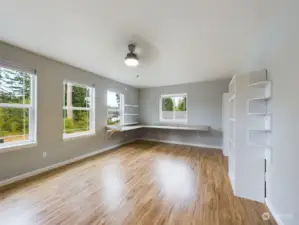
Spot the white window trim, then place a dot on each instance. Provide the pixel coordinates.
(78, 135)
(121, 109)
(185, 121)
(32, 108)
(91, 110)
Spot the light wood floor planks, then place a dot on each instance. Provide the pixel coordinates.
(140, 183)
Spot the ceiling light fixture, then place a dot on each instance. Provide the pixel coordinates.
(131, 59)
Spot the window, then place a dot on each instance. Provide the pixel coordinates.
(78, 110)
(173, 108)
(115, 108)
(17, 107)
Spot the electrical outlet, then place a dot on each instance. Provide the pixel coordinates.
(44, 154)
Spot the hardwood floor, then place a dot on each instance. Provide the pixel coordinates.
(140, 183)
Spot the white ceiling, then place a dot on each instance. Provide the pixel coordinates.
(178, 41)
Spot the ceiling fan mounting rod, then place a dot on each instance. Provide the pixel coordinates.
(132, 47)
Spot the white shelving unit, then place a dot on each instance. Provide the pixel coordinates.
(232, 131)
(225, 123)
(260, 122)
(249, 125)
(259, 118)
(131, 114)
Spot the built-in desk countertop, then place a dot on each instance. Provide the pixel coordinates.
(119, 128)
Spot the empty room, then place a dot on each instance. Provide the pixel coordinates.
(149, 112)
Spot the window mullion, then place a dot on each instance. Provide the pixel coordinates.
(76, 108)
(24, 112)
(15, 105)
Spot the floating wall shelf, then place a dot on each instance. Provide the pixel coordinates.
(126, 105)
(260, 84)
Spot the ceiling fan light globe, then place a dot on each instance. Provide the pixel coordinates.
(131, 62)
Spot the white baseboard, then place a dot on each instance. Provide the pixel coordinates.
(57, 165)
(274, 213)
(181, 143)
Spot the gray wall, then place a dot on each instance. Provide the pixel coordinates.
(204, 106)
(279, 53)
(51, 75)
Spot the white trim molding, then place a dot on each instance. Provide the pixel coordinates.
(182, 143)
(273, 212)
(60, 164)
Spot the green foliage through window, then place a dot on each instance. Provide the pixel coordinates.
(174, 104)
(173, 108)
(114, 106)
(78, 123)
(15, 88)
(77, 106)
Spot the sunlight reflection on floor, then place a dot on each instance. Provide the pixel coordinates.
(175, 179)
(112, 183)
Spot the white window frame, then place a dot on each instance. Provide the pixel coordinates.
(32, 109)
(91, 110)
(120, 110)
(174, 120)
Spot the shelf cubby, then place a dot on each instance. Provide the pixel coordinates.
(258, 138)
(131, 114)
(257, 76)
(260, 123)
(257, 106)
(262, 92)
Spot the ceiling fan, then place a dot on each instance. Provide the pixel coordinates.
(131, 59)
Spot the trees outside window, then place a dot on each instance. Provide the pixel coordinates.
(173, 108)
(78, 110)
(115, 108)
(17, 107)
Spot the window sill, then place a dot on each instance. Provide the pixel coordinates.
(17, 146)
(79, 135)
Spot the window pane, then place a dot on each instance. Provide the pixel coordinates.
(174, 108)
(76, 121)
(113, 118)
(180, 115)
(27, 88)
(14, 86)
(113, 100)
(180, 103)
(65, 95)
(14, 125)
(167, 115)
(167, 104)
(80, 96)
